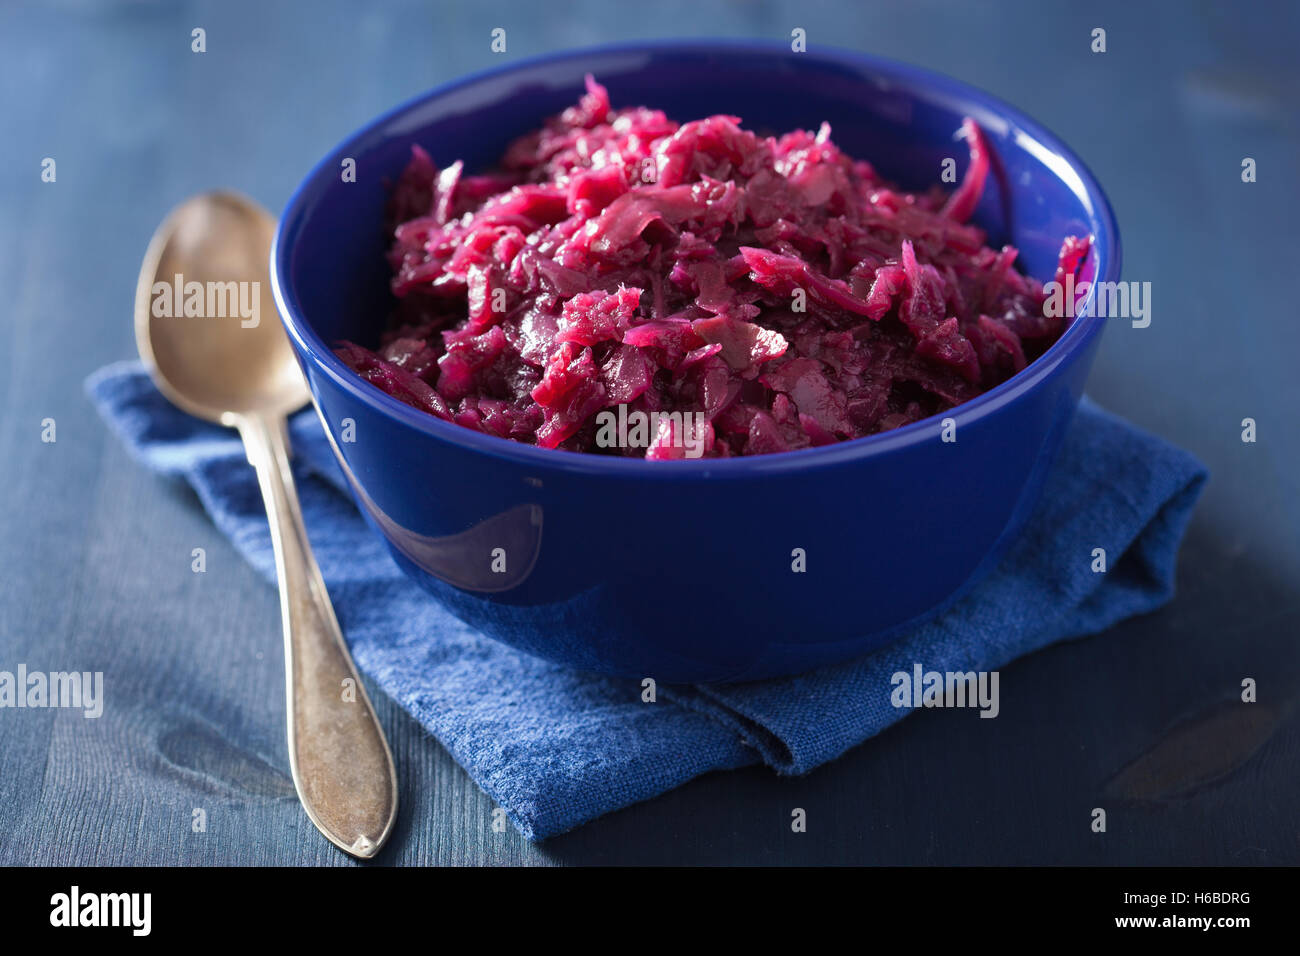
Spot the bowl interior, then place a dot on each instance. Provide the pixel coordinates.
(330, 253)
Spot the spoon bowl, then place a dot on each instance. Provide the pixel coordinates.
(232, 357)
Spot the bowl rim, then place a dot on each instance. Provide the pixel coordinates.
(1085, 327)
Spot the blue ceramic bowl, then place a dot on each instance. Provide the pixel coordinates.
(683, 570)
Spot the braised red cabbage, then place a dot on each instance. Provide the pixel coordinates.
(774, 291)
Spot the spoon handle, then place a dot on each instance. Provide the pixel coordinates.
(341, 763)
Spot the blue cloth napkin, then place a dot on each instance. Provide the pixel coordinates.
(556, 748)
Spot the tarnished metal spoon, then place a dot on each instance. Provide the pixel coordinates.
(206, 327)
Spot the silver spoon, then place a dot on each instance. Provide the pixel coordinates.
(240, 371)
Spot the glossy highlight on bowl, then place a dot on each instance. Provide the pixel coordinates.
(694, 570)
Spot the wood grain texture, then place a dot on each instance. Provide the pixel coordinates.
(95, 553)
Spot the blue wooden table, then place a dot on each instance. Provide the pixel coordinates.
(95, 553)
